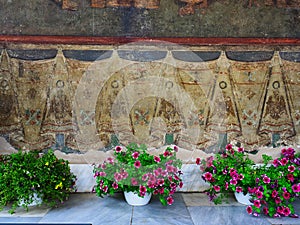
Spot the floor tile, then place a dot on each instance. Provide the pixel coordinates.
(223, 215)
(88, 208)
(201, 199)
(156, 210)
(160, 221)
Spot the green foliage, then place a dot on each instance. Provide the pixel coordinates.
(24, 174)
(273, 187)
(134, 169)
(227, 172)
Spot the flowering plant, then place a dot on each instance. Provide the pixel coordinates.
(276, 186)
(229, 171)
(134, 169)
(24, 175)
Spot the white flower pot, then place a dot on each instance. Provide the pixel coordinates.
(36, 201)
(135, 200)
(243, 199)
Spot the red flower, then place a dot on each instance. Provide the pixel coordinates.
(198, 161)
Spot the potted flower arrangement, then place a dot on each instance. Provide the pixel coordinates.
(28, 177)
(134, 170)
(276, 186)
(230, 171)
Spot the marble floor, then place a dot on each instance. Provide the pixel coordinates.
(188, 209)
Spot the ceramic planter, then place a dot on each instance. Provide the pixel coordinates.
(243, 199)
(135, 200)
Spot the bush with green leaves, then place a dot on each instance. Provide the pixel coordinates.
(24, 175)
(134, 169)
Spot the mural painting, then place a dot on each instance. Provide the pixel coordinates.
(58, 98)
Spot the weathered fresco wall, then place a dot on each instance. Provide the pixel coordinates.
(82, 100)
(152, 18)
(82, 97)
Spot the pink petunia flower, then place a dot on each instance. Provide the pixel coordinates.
(276, 162)
(233, 182)
(170, 200)
(256, 203)
(238, 189)
(118, 149)
(296, 188)
(249, 209)
(217, 188)
(274, 194)
(290, 177)
(277, 200)
(259, 194)
(137, 164)
(266, 180)
(134, 182)
(175, 148)
(291, 168)
(115, 185)
(207, 176)
(240, 149)
(286, 195)
(135, 155)
(266, 210)
(143, 189)
(284, 161)
(145, 177)
(286, 211)
(161, 182)
(156, 159)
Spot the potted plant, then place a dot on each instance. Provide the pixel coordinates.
(276, 186)
(230, 171)
(134, 170)
(28, 177)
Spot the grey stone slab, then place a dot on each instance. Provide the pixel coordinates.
(88, 208)
(19, 219)
(156, 210)
(201, 199)
(224, 215)
(160, 221)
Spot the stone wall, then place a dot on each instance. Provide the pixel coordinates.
(152, 18)
(82, 100)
